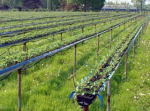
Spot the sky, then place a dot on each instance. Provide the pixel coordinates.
(128, 1)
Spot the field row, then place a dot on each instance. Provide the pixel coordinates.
(50, 80)
(15, 54)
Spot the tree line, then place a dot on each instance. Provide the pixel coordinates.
(53, 5)
(138, 4)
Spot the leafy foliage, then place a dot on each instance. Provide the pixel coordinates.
(57, 4)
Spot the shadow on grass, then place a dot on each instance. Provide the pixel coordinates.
(57, 82)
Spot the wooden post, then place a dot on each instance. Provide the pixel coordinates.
(75, 55)
(110, 38)
(126, 65)
(142, 31)
(61, 36)
(95, 27)
(86, 108)
(124, 26)
(83, 43)
(53, 37)
(74, 69)
(98, 45)
(82, 29)
(146, 26)
(139, 40)
(108, 95)
(25, 50)
(111, 35)
(118, 32)
(25, 47)
(133, 49)
(19, 89)
(70, 31)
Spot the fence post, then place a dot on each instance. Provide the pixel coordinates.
(19, 89)
(108, 95)
(104, 23)
(86, 108)
(74, 68)
(61, 36)
(25, 50)
(118, 32)
(133, 49)
(124, 26)
(53, 37)
(98, 45)
(95, 27)
(82, 29)
(126, 65)
(24, 47)
(110, 38)
(139, 39)
(111, 35)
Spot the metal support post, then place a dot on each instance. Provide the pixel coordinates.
(98, 45)
(86, 108)
(110, 38)
(133, 49)
(108, 95)
(19, 89)
(61, 36)
(74, 69)
(126, 65)
(25, 50)
(82, 29)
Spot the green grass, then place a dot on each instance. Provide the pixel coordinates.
(133, 94)
(43, 45)
(46, 86)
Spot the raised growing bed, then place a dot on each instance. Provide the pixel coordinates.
(87, 98)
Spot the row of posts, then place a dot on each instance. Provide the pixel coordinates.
(126, 72)
(74, 70)
(86, 108)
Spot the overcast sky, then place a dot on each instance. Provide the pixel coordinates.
(129, 1)
(120, 0)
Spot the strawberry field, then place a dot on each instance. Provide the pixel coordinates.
(45, 57)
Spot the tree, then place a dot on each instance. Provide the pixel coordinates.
(139, 4)
(147, 7)
(51, 4)
(89, 4)
(32, 4)
(11, 3)
(55, 4)
(97, 4)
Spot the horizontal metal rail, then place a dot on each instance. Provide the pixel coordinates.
(15, 20)
(53, 21)
(47, 34)
(112, 73)
(10, 69)
(55, 25)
